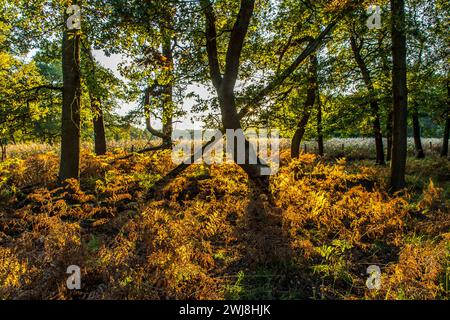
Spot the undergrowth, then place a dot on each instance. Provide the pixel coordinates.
(212, 234)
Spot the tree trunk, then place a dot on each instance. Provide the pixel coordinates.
(164, 93)
(389, 120)
(378, 135)
(444, 151)
(70, 129)
(168, 92)
(225, 83)
(416, 133)
(373, 100)
(310, 99)
(319, 125)
(147, 110)
(387, 70)
(3, 145)
(298, 135)
(415, 113)
(99, 127)
(96, 108)
(400, 96)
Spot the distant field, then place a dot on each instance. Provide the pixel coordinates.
(351, 148)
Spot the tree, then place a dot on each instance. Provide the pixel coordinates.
(71, 107)
(415, 86)
(444, 151)
(99, 126)
(320, 146)
(21, 87)
(225, 83)
(20, 105)
(149, 33)
(94, 91)
(400, 94)
(162, 90)
(309, 103)
(373, 100)
(428, 68)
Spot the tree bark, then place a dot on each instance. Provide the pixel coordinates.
(444, 151)
(99, 127)
(309, 103)
(374, 106)
(319, 125)
(70, 129)
(420, 154)
(96, 107)
(3, 146)
(415, 112)
(167, 118)
(389, 120)
(387, 70)
(400, 96)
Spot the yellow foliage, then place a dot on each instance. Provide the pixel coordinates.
(322, 223)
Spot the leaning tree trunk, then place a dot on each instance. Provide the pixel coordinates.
(309, 103)
(70, 128)
(420, 154)
(444, 151)
(374, 106)
(400, 96)
(224, 83)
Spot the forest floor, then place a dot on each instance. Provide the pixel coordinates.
(211, 234)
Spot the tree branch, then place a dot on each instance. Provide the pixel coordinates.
(236, 43)
(312, 46)
(211, 43)
(48, 87)
(148, 124)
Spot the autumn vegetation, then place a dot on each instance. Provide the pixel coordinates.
(87, 176)
(209, 233)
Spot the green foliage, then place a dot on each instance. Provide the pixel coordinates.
(208, 233)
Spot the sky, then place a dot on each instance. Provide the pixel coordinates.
(112, 63)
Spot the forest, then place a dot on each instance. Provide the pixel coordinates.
(333, 117)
